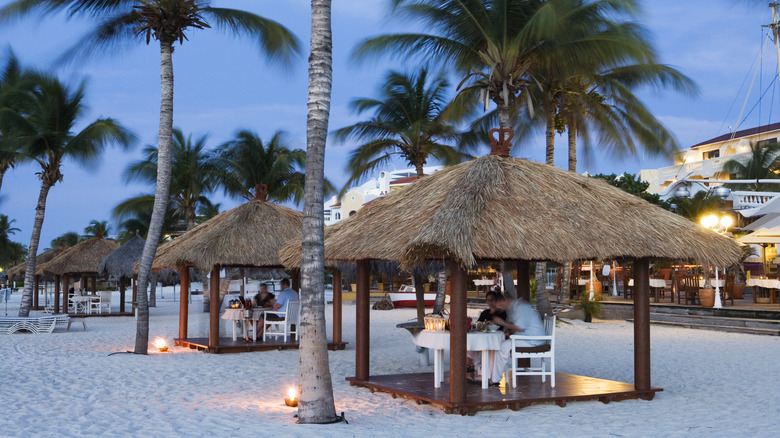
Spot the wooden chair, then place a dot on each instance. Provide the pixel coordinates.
(728, 289)
(691, 288)
(283, 327)
(544, 351)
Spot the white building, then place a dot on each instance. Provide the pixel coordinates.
(696, 166)
(356, 197)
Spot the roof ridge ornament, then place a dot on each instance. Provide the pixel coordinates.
(502, 144)
(261, 192)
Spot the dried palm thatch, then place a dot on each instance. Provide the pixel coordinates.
(120, 263)
(82, 258)
(249, 235)
(499, 208)
(17, 272)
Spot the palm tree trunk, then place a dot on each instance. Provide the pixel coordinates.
(160, 195)
(549, 134)
(316, 403)
(565, 282)
(29, 273)
(3, 168)
(542, 297)
(503, 116)
(419, 168)
(572, 131)
(509, 281)
(152, 290)
(441, 293)
(419, 293)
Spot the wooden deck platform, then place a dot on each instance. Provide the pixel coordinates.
(530, 390)
(228, 345)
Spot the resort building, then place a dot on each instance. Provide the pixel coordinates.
(354, 199)
(700, 168)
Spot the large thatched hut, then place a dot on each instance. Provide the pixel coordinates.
(248, 236)
(501, 208)
(120, 264)
(82, 260)
(17, 273)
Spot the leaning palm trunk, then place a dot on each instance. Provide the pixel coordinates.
(29, 274)
(542, 297)
(419, 293)
(565, 282)
(316, 403)
(572, 132)
(549, 135)
(160, 195)
(441, 292)
(509, 281)
(152, 290)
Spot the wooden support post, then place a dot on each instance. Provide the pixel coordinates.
(524, 280)
(94, 284)
(458, 332)
(65, 292)
(122, 281)
(57, 295)
(37, 287)
(214, 308)
(184, 299)
(642, 324)
(337, 306)
(295, 279)
(362, 309)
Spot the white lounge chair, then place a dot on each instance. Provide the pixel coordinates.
(283, 327)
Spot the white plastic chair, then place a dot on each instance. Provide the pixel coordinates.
(94, 304)
(283, 327)
(542, 352)
(105, 301)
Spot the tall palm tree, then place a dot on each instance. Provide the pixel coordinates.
(167, 21)
(316, 400)
(764, 163)
(410, 119)
(65, 240)
(8, 249)
(12, 87)
(97, 229)
(46, 136)
(192, 174)
(244, 162)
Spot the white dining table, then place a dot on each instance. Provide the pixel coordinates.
(83, 303)
(654, 282)
(765, 283)
(237, 315)
(486, 342)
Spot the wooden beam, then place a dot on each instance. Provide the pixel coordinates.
(122, 290)
(57, 295)
(524, 280)
(214, 308)
(65, 291)
(135, 292)
(642, 324)
(184, 299)
(295, 279)
(458, 332)
(362, 323)
(37, 287)
(337, 320)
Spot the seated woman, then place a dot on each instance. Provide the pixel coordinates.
(474, 358)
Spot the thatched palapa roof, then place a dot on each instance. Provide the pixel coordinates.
(82, 258)
(19, 270)
(249, 235)
(120, 262)
(501, 208)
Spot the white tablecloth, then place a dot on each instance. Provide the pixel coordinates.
(484, 282)
(654, 282)
(486, 342)
(237, 315)
(720, 282)
(764, 282)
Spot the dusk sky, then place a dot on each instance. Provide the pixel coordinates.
(223, 85)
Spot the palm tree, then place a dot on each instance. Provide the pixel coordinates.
(8, 249)
(97, 229)
(167, 21)
(244, 162)
(14, 82)
(66, 240)
(411, 119)
(192, 174)
(316, 400)
(764, 163)
(45, 135)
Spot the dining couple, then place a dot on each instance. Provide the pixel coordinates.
(515, 317)
(268, 301)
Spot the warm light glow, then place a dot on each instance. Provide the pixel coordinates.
(726, 222)
(291, 393)
(160, 344)
(710, 221)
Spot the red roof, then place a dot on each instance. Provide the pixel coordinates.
(407, 180)
(743, 133)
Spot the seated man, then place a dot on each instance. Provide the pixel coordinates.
(287, 294)
(521, 318)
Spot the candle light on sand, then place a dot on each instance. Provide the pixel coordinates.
(160, 343)
(291, 399)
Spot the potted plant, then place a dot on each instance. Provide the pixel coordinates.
(590, 307)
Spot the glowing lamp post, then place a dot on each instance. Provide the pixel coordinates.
(721, 226)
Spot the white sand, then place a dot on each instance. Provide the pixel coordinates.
(66, 384)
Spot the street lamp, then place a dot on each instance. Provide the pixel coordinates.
(719, 225)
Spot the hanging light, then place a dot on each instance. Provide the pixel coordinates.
(721, 191)
(682, 192)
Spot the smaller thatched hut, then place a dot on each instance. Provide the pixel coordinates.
(17, 272)
(120, 264)
(82, 259)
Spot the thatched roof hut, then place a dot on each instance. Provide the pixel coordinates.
(121, 262)
(82, 258)
(18, 270)
(504, 208)
(249, 235)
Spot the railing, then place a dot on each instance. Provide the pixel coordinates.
(743, 199)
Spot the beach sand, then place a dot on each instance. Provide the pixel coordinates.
(71, 384)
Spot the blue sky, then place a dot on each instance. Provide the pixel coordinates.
(222, 85)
